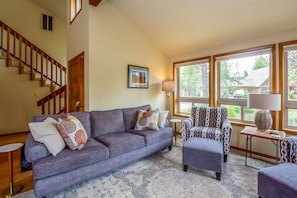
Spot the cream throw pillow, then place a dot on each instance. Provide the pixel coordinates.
(46, 132)
(162, 118)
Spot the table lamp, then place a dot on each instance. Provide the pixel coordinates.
(266, 103)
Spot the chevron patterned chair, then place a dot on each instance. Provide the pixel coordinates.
(208, 122)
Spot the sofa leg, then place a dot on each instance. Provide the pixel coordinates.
(225, 157)
(169, 147)
(186, 168)
(218, 176)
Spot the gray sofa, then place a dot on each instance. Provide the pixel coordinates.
(112, 143)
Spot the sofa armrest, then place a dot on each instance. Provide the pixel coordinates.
(227, 131)
(34, 150)
(288, 149)
(186, 125)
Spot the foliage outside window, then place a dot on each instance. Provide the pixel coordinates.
(75, 8)
(240, 74)
(290, 84)
(192, 84)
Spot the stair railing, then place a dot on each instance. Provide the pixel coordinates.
(55, 102)
(20, 52)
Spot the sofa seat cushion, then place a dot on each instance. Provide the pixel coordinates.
(68, 159)
(121, 142)
(152, 137)
(206, 132)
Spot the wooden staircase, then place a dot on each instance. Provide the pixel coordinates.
(19, 52)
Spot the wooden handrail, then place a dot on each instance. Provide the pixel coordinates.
(27, 55)
(49, 104)
(36, 56)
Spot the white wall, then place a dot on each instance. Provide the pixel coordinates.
(260, 145)
(18, 101)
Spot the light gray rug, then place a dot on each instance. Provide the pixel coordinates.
(161, 175)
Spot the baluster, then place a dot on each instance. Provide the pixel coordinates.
(20, 54)
(7, 47)
(41, 71)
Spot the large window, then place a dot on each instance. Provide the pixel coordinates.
(239, 74)
(192, 84)
(289, 66)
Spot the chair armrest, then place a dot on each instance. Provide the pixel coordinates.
(227, 131)
(288, 149)
(186, 125)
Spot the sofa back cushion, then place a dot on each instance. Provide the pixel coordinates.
(105, 122)
(209, 116)
(131, 114)
(84, 118)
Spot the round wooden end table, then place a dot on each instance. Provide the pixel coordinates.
(174, 121)
(9, 148)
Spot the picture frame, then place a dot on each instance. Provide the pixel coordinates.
(138, 77)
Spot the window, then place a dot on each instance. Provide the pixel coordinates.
(75, 8)
(289, 65)
(241, 73)
(192, 77)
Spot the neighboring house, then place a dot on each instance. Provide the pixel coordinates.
(256, 80)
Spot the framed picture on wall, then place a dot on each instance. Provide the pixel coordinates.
(138, 77)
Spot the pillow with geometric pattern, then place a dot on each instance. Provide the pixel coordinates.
(147, 120)
(72, 132)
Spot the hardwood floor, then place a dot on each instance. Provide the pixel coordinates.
(20, 178)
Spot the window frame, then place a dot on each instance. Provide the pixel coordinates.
(193, 100)
(283, 84)
(243, 102)
(74, 9)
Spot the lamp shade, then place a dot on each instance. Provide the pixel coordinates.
(168, 85)
(265, 101)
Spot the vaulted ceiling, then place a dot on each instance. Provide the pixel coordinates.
(180, 26)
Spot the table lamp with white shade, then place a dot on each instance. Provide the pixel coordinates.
(266, 103)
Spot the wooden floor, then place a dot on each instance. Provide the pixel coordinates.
(20, 178)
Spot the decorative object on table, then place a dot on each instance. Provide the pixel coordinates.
(12, 189)
(169, 87)
(266, 103)
(138, 77)
(174, 121)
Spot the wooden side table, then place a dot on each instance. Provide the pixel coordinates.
(251, 132)
(174, 121)
(9, 148)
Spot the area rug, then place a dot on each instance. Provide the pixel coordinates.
(161, 175)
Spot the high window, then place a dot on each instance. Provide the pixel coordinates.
(192, 77)
(241, 73)
(75, 8)
(288, 57)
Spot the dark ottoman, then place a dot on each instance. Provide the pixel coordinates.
(204, 154)
(278, 181)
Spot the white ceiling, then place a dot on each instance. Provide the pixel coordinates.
(180, 26)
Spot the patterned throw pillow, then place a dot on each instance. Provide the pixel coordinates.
(147, 120)
(72, 132)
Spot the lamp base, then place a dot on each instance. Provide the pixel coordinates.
(263, 120)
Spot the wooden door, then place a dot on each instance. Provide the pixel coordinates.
(76, 83)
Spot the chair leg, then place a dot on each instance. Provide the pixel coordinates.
(169, 147)
(225, 157)
(218, 176)
(186, 168)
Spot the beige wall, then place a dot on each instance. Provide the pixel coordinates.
(113, 44)
(18, 101)
(260, 145)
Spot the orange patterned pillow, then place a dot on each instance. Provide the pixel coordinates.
(72, 132)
